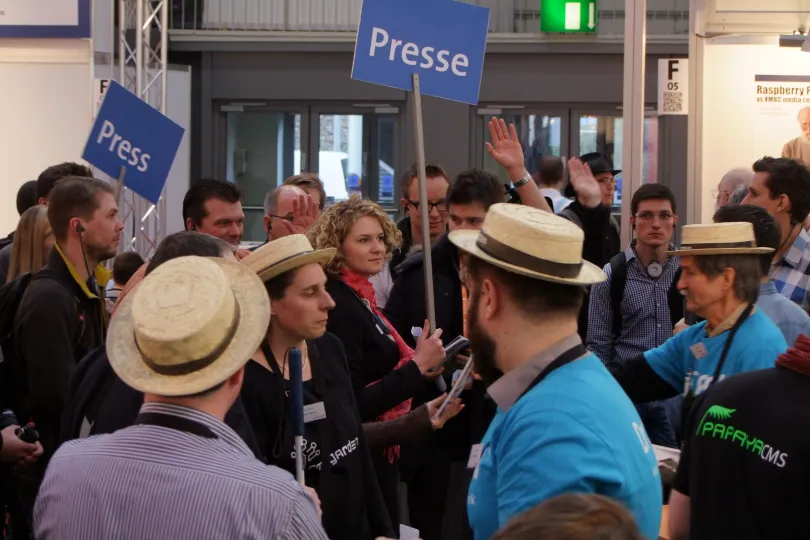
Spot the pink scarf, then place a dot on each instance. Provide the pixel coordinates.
(365, 290)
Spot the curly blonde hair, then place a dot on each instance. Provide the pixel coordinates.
(336, 222)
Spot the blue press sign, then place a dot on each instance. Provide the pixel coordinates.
(442, 40)
(129, 133)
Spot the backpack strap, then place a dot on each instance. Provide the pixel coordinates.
(618, 280)
(571, 216)
(675, 300)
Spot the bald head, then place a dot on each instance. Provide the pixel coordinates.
(278, 206)
(731, 181)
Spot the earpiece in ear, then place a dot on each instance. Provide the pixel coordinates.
(79, 228)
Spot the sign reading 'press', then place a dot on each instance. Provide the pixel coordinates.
(128, 133)
(441, 40)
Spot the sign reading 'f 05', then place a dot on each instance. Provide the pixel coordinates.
(441, 40)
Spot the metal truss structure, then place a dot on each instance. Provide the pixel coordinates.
(143, 69)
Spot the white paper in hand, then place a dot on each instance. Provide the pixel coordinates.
(408, 533)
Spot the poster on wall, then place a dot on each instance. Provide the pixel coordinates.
(45, 19)
(782, 112)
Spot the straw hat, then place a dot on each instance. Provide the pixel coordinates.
(188, 326)
(285, 254)
(719, 239)
(532, 243)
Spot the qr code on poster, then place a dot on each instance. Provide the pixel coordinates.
(673, 102)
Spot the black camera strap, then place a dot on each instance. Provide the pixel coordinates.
(565, 358)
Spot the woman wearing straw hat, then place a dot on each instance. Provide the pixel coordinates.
(720, 279)
(386, 373)
(336, 459)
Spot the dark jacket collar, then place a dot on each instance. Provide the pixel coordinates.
(60, 266)
(443, 251)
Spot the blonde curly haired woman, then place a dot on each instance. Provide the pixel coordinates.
(385, 372)
(33, 241)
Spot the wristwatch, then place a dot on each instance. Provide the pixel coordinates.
(523, 181)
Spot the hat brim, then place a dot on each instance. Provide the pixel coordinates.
(254, 319)
(721, 251)
(465, 240)
(266, 273)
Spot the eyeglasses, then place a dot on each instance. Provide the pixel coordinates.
(288, 217)
(438, 205)
(716, 192)
(649, 216)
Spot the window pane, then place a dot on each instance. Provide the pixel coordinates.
(263, 149)
(386, 150)
(340, 155)
(539, 135)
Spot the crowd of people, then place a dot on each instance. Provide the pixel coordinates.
(159, 390)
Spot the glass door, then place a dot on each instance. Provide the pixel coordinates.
(541, 133)
(356, 152)
(262, 148)
(601, 131)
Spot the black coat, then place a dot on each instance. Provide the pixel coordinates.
(99, 395)
(59, 321)
(372, 357)
(347, 486)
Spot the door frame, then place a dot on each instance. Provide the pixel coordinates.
(480, 116)
(369, 169)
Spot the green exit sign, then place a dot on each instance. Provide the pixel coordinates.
(568, 16)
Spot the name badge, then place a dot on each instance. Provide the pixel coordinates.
(314, 412)
(475, 456)
(699, 350)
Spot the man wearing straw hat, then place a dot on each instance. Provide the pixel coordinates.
(720, 279)
(563, 424)
(183, 338)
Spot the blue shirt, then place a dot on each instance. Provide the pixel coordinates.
(791, 273)
(791, 320)
(691, 357)
(576, 431)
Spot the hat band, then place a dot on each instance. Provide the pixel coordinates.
(285, 259)
(197, 364)
(512, 256)
(721, 245)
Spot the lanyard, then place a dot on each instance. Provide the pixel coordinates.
(176, 423)
(565, 358)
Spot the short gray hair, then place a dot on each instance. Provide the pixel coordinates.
(736, 198)
(271, 199)
(747, 272)
(735, 178)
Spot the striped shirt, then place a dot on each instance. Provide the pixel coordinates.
(149, 481)
(791, 273)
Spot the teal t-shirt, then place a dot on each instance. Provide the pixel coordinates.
(575, 432)
(693, 356)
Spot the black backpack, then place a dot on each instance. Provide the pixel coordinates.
(618, 280)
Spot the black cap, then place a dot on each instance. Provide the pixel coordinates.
(598, 163)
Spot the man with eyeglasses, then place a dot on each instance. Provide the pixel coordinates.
(288, 209)
(411, 225)
(636, 308)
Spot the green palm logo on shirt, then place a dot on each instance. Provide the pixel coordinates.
(718, 412)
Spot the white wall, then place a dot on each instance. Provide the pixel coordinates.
(45, 111)
(735, 132)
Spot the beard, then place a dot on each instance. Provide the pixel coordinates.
(483, 347)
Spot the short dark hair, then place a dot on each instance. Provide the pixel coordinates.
(787, 177)
(652, 192)
(766, 230)
(27, 196)
(72, 197)
(125, 265)
(551, 171)
(205, 393)
(432, 170)
(277, 286)
(475, 186)
(203, 190)
(534, 297)
(49, 177)
(573, 516)
(187, 243)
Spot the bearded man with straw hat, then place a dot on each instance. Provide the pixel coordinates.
(562, 424)
(182, 337)
(720, 282)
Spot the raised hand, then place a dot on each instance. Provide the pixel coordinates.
(305, 212)
(585, 185)
(505, 147)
